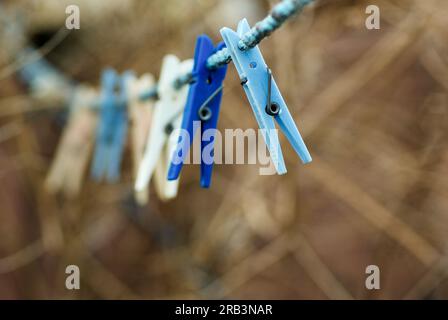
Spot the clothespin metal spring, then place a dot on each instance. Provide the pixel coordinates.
(272, 108)
(204, 112)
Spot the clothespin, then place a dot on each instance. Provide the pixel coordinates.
(140, 115)
(166, 118)
(72, 156)
(111, 133)
(204, 100)
(265, 98)
(46, 83)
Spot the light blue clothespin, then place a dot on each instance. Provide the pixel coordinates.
(42, 78)
(112, 128)
(265, 98)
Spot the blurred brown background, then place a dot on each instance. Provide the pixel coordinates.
(372, 106)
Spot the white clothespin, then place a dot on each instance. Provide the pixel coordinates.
(73, 153)
(166, 118)
(140, 115)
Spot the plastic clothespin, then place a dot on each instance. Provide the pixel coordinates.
(166, 118)
(204, 99)
(72, 156)
(112, 129)
(46, 83)
(265, 98)
(140, 115)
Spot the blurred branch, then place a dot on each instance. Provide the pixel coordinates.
(39, 54)
(22, 257)
(372, 211)
(385, 52)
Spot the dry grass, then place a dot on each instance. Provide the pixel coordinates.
(373, 109)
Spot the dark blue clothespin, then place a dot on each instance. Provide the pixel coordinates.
(204, 99)
(112, 128)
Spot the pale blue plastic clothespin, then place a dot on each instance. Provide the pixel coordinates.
(112, 128)
(32, 72)
(265, 98)
(42, 78)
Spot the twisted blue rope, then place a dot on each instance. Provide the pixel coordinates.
(279, 14)
(152, 93)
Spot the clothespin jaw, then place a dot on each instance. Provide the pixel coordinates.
(112, 129)
(165, 119)
(140, 115)
(256, 79)
(73, 153)
(165, 189)
(203, 104)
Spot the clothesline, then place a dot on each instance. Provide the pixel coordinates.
(179, 111)
(278, 15)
